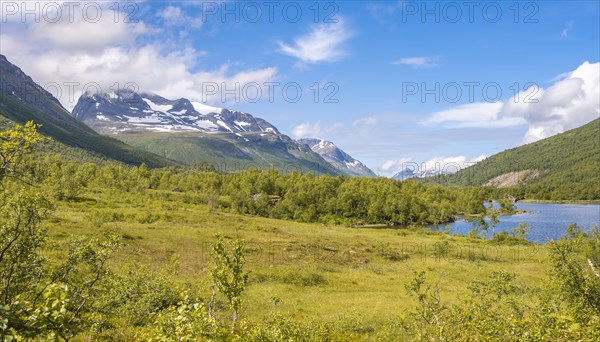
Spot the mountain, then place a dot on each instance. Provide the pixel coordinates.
(229, 152)
(410, 173)
(125, 110)
(338, 158)
(572, 157)
(22, 100)
(191, 132)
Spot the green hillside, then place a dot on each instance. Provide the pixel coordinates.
(569, 158)
(22, 100)
(230, 152)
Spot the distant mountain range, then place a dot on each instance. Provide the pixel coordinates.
(410, 173)
(192, 132)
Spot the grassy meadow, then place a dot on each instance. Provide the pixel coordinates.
(304, 272)
(114, 253)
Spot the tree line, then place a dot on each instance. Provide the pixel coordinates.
(295, 196)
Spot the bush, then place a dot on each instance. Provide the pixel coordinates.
(299, 279)
(98, 218)
(384, 250)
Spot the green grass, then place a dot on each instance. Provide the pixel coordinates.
(318, 272)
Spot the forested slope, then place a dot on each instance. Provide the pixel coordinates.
(570, 159)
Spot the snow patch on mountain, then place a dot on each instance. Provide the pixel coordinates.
(205, 109)
(127, 110)
(156, 107)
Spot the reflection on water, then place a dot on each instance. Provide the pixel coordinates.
(548, 221)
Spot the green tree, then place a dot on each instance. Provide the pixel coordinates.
(520, 231)
(36, 299)
(430, 307)
(481, 226)
(574, 258)
(228, 274)
(14, 144)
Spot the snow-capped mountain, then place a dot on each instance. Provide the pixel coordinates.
(125, 110)
(409, 173)
(193, 126)
(338, 158)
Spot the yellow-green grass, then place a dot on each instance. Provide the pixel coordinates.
(318, 272)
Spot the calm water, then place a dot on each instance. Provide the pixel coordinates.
(548, 221)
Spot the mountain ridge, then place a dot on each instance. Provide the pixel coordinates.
(22, 100)
(125, 110)
(570, 157)
(337, 157)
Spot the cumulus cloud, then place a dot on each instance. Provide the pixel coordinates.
(322, 44)
(568, 103)
(114, 53)
(571, 101)
(418, 62)
(84, 34)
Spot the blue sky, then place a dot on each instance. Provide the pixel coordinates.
(398, 81)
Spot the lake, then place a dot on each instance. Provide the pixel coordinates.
(547, 221)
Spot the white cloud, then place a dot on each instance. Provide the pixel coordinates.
(480, 114)
(312, 130)
(322, 44)
(450, 164)
(393, 166)
(83, 34)
(567, 104)
(171, 15)
(174, 16)
(573, 100)
(115, 53)
(418, 62)
(308, 130)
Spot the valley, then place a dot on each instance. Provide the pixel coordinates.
(303, 171)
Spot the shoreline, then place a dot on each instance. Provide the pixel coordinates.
(534, 201)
